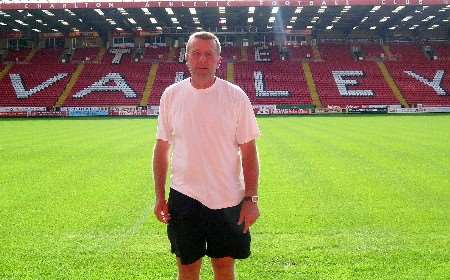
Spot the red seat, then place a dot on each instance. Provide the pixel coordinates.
(417, 92)
(372, 79)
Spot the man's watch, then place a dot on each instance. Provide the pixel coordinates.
(253, 198)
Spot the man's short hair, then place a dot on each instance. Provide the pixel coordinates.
(204, 35)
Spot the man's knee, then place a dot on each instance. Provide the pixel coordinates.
(189, 271)
(223, 267)
(226, 262)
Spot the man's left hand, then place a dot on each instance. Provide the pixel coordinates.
(249, 215)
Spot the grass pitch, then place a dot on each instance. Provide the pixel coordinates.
(341, 198)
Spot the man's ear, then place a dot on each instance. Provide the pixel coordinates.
(219, 62)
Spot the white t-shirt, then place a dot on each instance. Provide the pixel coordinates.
(205, 127)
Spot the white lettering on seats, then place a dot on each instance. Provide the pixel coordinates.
(435, 83)
(179, 76)
(118, 53)
(261, 92)
(343, 84)
(21, 92)
(101, 86)
(182, 55)
(262, 54)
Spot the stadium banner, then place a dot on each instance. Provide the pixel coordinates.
(264, 109)
(47, 114)
(330, 110)
(22, 109)
(13, 114)
(87, 34)
(74, 34)
(152, 110)
(291, 111)
(141, 33)
(127, 111)
(85, 111)
(283, 109)
(371, 109)
(295, 107)
(88, 113)
(436, 109)
(117, 33)
(304, 32)
(32, 114)
(58, 4)
(51, 35)
(418, 110)
(90, 34)
(405, 110)
(11, 35)
(66, 109)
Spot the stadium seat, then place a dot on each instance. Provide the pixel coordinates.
(84, 54)
(371, 79)
(107, 94)
(42, 84)
(278, 76)
(411, 79)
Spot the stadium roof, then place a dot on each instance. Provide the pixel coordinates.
(376, 17)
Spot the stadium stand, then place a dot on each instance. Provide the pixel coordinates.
(363, 84)
(84, 54)
(408, 52)
(336, 51)
(442, 51)
(34, 85)
(168, 73)
(109, 85)
(231, 54)
(276, 76)
(372, 50)
(263, 54)
(339, 81)
(118, 56)
(17, 55)
(423, 83)
(298, 53)
(155, 53)
(48, 56)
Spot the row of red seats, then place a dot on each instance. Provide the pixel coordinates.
(328, 51)
(278, 76)
(32, 76)
(415, 89)
(83, 54)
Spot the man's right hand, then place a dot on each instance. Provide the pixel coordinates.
(162, 211)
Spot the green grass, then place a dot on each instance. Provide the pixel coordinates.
(341, 198)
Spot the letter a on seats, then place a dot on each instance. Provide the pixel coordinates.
(101, 86)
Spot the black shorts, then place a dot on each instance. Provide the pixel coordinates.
(195, 230)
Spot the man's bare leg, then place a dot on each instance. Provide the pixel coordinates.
(223, 268)
(189, 271)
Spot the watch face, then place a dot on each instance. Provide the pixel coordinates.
(253, 198)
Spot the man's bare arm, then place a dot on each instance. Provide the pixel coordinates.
(250, 165)
(160, 166)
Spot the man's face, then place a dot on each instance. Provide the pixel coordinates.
(202, 59)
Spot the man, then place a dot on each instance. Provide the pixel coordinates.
(211, 127)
